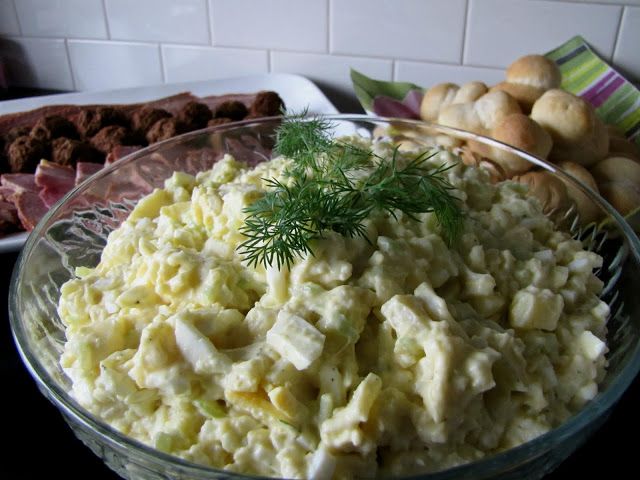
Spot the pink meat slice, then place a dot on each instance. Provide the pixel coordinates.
(30, 208)
(85, 169)
(19, 181)
(119, 152)
(6, 194)
(14, 185)
(54, 180)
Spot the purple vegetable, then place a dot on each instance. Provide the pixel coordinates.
(413, 99)
(389, 107)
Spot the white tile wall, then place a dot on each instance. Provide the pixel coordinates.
(8, 19)
(627, 54)
(183, 21)
(185, 63)
(611, 2)
(432, 73)
(36, 62)
(499, 31)
(330, 70)
(401, 28)
(285, 24)
(99, 44)
(62, 18)
(107, 65)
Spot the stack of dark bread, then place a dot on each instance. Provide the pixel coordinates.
(46, 152)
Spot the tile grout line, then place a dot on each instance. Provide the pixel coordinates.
(15, 11)
(163, 74)
(465, 26)
(209, 9)
(623, 12)
(106, 19)
(70, 65)
(329, 27)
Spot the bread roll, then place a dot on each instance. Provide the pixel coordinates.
(525, 95)
(620, 146)
(549, 190)
(470, 92)
(435, 99)
(528, 78)
(493, 107)
(578, 134)
(479, 116)
(462, 116)
(534, 70)
(618, 179)
(587, 208)
(521, 132)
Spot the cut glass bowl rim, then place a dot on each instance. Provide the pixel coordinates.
(495, 463)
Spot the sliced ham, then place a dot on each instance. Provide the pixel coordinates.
(16, 185)
(197, 161)
(51, 174)
(121, 151)
(54, 180)
(85, 169)
(19, 181)
(30, 208)
(6, 194)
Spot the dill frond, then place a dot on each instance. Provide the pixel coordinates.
(325, 195)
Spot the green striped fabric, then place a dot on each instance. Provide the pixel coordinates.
(584, 73)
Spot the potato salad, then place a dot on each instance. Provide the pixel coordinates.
(387, 354)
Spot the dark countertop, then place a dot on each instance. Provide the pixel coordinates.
(40, 443)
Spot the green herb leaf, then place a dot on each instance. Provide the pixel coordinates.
(326, 193)
(366, 89)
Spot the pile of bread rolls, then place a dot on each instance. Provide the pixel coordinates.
(530, 112)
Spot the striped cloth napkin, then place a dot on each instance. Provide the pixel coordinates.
(584, 73)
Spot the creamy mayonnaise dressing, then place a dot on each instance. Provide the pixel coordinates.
(387, 357)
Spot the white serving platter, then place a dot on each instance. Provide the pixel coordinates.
(298, 93)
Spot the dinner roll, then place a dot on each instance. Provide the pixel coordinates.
(470, 92)
(521, 132)
(578, 134)
(587, 208)
(528, 78)
(618, 179)
(463, 116)
(536, 71)
(435, 99)
(549, 190)
(620, 146)
(480, 116)
(495, 106)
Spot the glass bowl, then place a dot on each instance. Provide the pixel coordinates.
(74, 232)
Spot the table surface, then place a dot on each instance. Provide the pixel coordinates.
(38, 441)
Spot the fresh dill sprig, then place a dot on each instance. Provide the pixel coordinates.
(325, 192)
